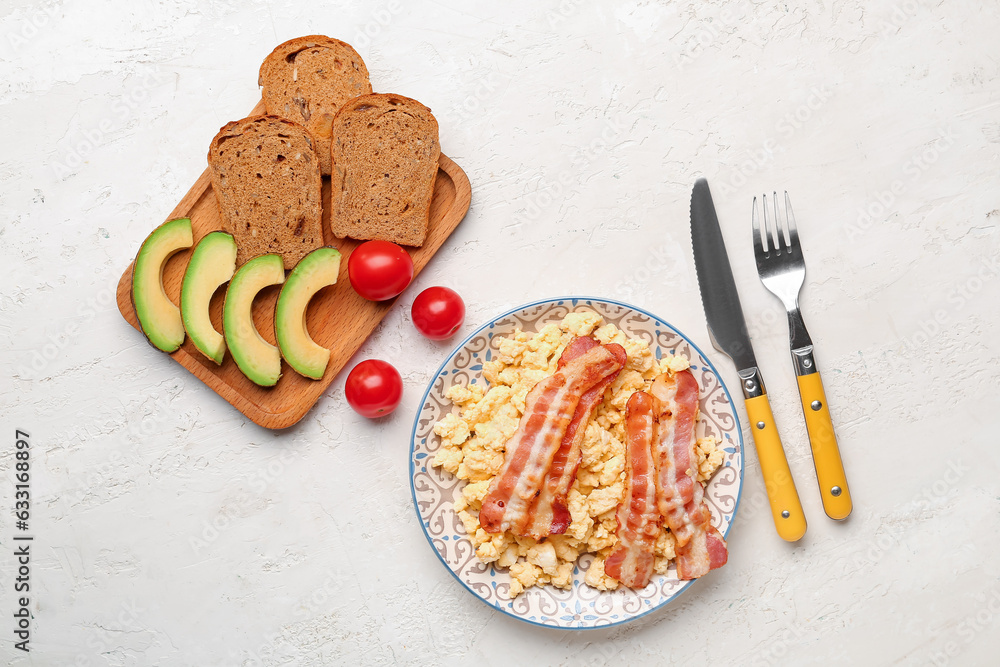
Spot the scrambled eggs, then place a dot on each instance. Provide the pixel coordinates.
(472, 447)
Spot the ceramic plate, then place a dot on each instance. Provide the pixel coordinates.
(434, 490)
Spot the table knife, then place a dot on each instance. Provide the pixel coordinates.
(728, 332)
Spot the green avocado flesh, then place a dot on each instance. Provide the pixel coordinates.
(212, 264)
(313, 272)
(259, 360)
(158, 317)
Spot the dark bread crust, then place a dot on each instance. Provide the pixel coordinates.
(265, 174)
(308, 79)
(385, 153)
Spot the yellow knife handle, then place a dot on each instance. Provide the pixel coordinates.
(826, 454)
(789, 520)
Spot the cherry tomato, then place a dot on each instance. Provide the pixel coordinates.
(438, 312)
(379, 270)
(374, 388)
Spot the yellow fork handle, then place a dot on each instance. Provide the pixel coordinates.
(826, 454)
(778, 480)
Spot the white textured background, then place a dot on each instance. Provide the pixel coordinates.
(172, 531)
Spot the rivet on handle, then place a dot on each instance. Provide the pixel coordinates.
(761, 425)
(835, 491)
(816, 405)
(785, 514)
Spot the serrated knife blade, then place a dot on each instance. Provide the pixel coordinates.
(726, 324)
(728, 330)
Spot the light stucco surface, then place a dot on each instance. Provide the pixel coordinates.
(170, 530)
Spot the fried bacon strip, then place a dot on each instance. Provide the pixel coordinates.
(550, 514)
(676, 459)
(680, 497)
(638, 516)
(705, 551)
(549, 409)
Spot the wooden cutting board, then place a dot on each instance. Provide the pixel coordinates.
(337, 317)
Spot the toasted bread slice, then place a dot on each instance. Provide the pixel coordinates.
(308, 79)
(385, 157)
(265, 174)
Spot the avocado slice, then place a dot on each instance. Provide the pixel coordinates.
(158, 317)
(313, 272)
(212, 264)
(259, 360)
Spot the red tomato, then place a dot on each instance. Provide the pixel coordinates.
(379, 270)
(374, 388)
(438, 312)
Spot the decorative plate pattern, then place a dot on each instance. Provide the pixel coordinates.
(434, 490)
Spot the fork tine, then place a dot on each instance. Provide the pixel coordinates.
(779, 228)
(759, 247)
(793, 231)
(769, 237)
(765, 231)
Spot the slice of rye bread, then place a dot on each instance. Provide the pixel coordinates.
(265, 174)
(385, 158)
(308, 79)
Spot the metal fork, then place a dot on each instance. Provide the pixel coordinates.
(782, 269)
